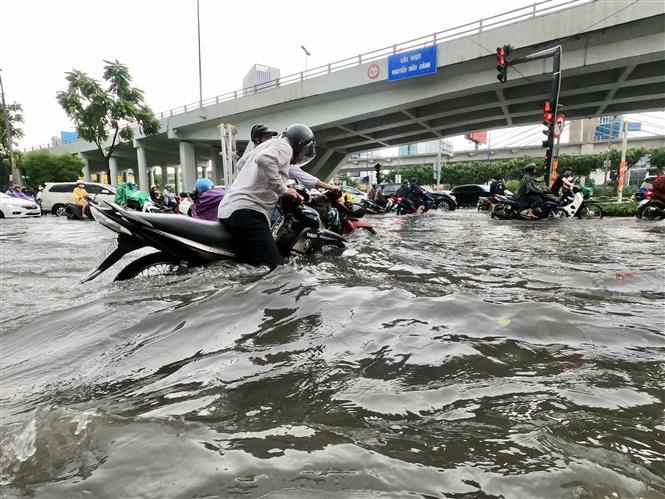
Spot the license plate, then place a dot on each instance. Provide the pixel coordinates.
(112, 246)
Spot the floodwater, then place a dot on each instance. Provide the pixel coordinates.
(448, 356)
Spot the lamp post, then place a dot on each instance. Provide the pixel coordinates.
(307, 54)
(198, 27)
(8, 133)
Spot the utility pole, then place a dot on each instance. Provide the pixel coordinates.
(8, 134)
(622, 165)
(198, 27)
(551, 107)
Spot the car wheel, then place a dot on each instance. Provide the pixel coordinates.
(2, 215)
(59, 210)
(443, 206)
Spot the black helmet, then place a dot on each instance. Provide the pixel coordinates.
(531, 167)
(259, 131)
(302, 139)
(414, 180)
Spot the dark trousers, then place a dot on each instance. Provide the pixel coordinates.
(252, 240)
(534, 200)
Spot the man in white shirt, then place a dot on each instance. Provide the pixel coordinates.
(248, 204)
(262, 133)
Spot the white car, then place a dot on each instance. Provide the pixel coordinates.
(11, 207)
(56, 195)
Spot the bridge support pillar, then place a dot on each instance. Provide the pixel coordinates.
(86, 169)
(113, 167)
(164, 173)
(188, 165)
(151, 176)
(176, 180)
(216, 165)
(142, 159)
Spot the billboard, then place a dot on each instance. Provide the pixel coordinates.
(66, 137)
(477, 137)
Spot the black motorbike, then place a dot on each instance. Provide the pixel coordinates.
(184, 242)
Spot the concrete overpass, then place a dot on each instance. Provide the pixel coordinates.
(613, 62)
(353, 166)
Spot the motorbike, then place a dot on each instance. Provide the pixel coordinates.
(651, 208)
(78, 212)
(373, 208)
(184, 242)
(487, 203)
(405, 206)
(342, 218)
(509, 208)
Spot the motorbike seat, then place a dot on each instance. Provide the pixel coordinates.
(201, 231)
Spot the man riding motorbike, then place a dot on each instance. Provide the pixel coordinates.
(415, 195)
(531, 191)
(248, 204)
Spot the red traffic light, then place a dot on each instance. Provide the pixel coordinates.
(548, 111)
(502, 67)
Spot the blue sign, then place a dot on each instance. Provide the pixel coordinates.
(609, 131)
(412, 63)
(67, 137)
(634, 126)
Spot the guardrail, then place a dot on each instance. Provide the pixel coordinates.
(520, 14)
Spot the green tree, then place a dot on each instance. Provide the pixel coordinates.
(99, 113)
(41, 166)
(658, 158)
(15, 118)
(350, 181)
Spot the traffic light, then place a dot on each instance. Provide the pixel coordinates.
(548, 121)
(548, 157)
(502, 54)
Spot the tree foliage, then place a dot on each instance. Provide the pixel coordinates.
(658, 158)
(479, 172)
(41, 166)
(15, 118)
(102, 113)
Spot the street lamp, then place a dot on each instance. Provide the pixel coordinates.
(198, 26)
(8, 133)
(307, 54)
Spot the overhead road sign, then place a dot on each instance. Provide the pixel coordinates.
(413, 63)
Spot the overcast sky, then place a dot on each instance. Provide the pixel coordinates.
(42, 39)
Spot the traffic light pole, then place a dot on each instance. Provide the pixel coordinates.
(555, 53)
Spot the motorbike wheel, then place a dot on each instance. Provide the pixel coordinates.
(590, 211)
(652, 211)
(502, 212)
(150, 265)
(60, 210)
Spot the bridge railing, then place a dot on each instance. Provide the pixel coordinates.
(527, 12)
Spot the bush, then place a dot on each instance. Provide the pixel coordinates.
(627, 209)
(512, 185)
